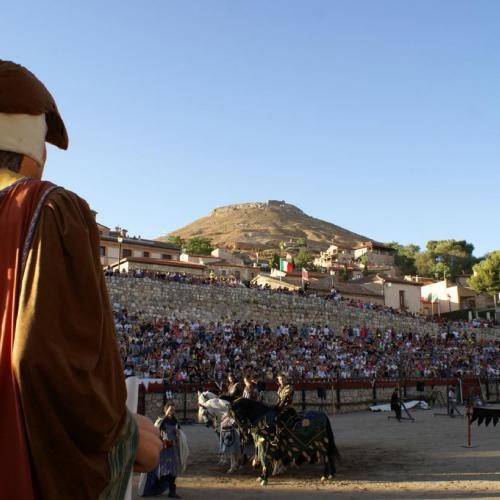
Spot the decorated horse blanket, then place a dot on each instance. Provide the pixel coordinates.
(292, 438)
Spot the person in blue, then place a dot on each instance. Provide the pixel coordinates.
(163, 477)
(169, 456)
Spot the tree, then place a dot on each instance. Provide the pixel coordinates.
(346, 273)
(301, 242)
(405, 257)
(449, 258)
(487, 275)
(199, 246)
(304, 259)
(176, 240)
(364, 261)
(274, 261)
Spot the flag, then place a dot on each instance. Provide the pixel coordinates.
(286, 266)
(305, 275)
(430, 299)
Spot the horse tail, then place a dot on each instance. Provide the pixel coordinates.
(332, 448)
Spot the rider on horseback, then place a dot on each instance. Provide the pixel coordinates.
(234, 389)
(249, 390)
(284, 405)
(285, 392)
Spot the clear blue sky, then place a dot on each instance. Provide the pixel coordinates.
(380, 116)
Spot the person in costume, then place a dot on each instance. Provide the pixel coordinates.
(65, 430)
(249, 390)
(229, 443)
(162, 478)
(284, 405)
(285, 393)
(234, 389)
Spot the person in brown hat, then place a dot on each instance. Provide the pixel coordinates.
(65, 430)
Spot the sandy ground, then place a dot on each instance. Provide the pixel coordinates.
(380, 458)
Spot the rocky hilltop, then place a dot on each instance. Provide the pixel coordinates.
(264, 225)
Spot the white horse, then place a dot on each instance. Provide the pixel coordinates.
(213, 412)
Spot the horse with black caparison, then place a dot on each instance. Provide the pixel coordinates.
(286, 437)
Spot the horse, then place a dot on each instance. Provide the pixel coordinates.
(286, 437)
(213, 412)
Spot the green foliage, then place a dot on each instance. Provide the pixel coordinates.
(199, 246)
(346, 273)
(176, 240)
(487, 274)
(405, 257)
(301, 242)
(274, 261)
(304, 259)
(445, 257)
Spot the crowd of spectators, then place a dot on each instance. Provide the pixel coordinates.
(334, 296)
(174, 277)
(182, 351)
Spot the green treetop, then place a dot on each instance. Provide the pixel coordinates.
(487, 275)
(199, 246)
(304, 259)
(405, 257)
(449, 258)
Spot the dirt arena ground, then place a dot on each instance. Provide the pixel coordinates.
(381, 459)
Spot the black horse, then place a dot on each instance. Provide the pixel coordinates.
(283, 436)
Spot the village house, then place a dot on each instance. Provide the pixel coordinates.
(227, 256)
(133, 264)
(377, 254)
(267, 281)
(198, 259)
(337, 253)
(401, 294)
(447, 296)
(117, 244)
(236, 272)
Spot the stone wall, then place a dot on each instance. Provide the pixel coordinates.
(154, 298)
(347, 396)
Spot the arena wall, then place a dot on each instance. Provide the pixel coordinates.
(343, 396)
(155, 298)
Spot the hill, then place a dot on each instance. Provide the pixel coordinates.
(264, 225)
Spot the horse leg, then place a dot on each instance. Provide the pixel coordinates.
(265, 473)
(326, 469)
(233, 463)
(331, 463)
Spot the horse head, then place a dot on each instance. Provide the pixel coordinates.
(211, 408)
(248, 413)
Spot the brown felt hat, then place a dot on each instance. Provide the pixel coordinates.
(21, 92)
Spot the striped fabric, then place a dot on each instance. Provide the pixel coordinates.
(121, 460)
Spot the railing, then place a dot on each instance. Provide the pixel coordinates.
(336, 388)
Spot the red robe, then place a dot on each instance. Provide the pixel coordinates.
(18, 206)
(65, 431)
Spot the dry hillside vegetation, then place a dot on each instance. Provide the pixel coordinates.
(264, 225)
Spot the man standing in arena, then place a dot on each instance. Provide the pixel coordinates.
(65, 432)
(396, 404)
